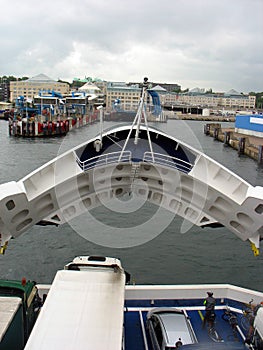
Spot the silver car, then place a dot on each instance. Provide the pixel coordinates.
(168, 327)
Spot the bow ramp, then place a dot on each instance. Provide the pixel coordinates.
(145, 162)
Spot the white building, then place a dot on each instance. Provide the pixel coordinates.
(231, 99)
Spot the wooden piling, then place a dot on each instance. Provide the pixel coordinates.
(226, 137)
(207, 129)
(241, 146)
(216, 133)
(260, 154)
(248, 145)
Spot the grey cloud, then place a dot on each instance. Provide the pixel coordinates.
(192, 42)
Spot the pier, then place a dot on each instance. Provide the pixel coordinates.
(199, 117)
(250, 146)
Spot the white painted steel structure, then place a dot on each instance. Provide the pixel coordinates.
(133, 159)
(198, 189)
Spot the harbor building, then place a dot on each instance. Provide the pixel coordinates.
(4, 90)
(94, 92)
(80, 83)
(31, 87)
(168, 87)
(198, 97)
(129, 96)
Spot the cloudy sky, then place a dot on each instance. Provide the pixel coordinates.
(196, 43)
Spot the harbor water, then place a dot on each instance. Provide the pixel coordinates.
(174, 256)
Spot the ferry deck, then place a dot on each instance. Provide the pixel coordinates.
(137, 337)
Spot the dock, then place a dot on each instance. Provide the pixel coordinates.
(199, 117)
(249, 145)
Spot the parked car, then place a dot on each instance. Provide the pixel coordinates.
(167, 326)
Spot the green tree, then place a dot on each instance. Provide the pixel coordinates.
(259, 98)
(177, 90)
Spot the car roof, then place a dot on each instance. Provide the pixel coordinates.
(175, 326)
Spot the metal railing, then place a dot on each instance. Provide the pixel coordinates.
(149, 157)
(164, 159)
(103, 159)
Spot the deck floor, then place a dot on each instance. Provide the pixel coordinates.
(136, 334)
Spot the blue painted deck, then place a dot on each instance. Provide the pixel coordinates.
(136, 330)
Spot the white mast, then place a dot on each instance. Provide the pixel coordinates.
(137, 121)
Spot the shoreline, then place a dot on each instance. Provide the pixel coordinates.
(198, 117)
(251, 146)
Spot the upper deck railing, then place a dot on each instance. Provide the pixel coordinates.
(103, 159)
(165, 159)
(148, 157)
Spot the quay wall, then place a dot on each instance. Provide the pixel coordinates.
(249, 145)
(33, 128)
(200, 117)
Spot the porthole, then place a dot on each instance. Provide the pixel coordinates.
(10, 204)
(259, 209)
